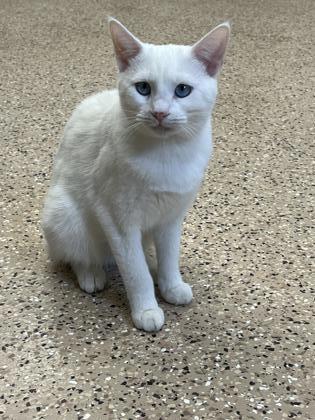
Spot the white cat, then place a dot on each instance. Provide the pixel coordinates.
(130, 165)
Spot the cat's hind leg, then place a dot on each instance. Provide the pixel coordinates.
(91, 279)
(70, 240)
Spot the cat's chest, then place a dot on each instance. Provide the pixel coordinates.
(135, 201)
(172, 170)
(159, 207)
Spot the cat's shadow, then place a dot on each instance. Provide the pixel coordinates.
(79, 316)
(76, 312)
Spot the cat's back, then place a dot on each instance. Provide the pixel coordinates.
(88, 129)
(93, 110)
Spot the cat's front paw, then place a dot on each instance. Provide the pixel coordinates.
(149, 319)
(181, 294)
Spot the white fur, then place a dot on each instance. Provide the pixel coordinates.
(118, 178)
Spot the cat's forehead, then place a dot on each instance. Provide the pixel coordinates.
(166, 62)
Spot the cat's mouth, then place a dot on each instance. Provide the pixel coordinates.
(161, 127)
(164, 126)
(161, 130)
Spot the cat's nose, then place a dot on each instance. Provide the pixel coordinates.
(160, 115)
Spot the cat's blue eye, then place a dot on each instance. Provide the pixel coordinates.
(182, 90)
(143, 88)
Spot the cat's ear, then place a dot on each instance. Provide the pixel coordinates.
(126, 45)
(211, 48)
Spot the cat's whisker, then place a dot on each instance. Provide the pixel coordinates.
(130, 129)
(199, 111)
(146, 119)
(177, 120)
(191, 130)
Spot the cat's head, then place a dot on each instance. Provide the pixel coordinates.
(166, 88)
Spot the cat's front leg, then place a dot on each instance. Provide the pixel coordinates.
(167, 241)
(126, 246)
(130, 258)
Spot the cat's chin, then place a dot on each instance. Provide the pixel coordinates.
(161, 130)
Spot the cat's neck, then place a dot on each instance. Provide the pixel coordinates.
(170, 163)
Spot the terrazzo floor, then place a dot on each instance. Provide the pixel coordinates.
(244, 349)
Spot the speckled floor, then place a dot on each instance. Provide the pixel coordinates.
(245, 348)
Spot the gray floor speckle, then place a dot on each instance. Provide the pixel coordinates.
(244, 349)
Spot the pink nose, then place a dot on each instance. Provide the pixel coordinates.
(159, 115)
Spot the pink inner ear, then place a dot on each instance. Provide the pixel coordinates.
(210, 49)
(126, 45)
